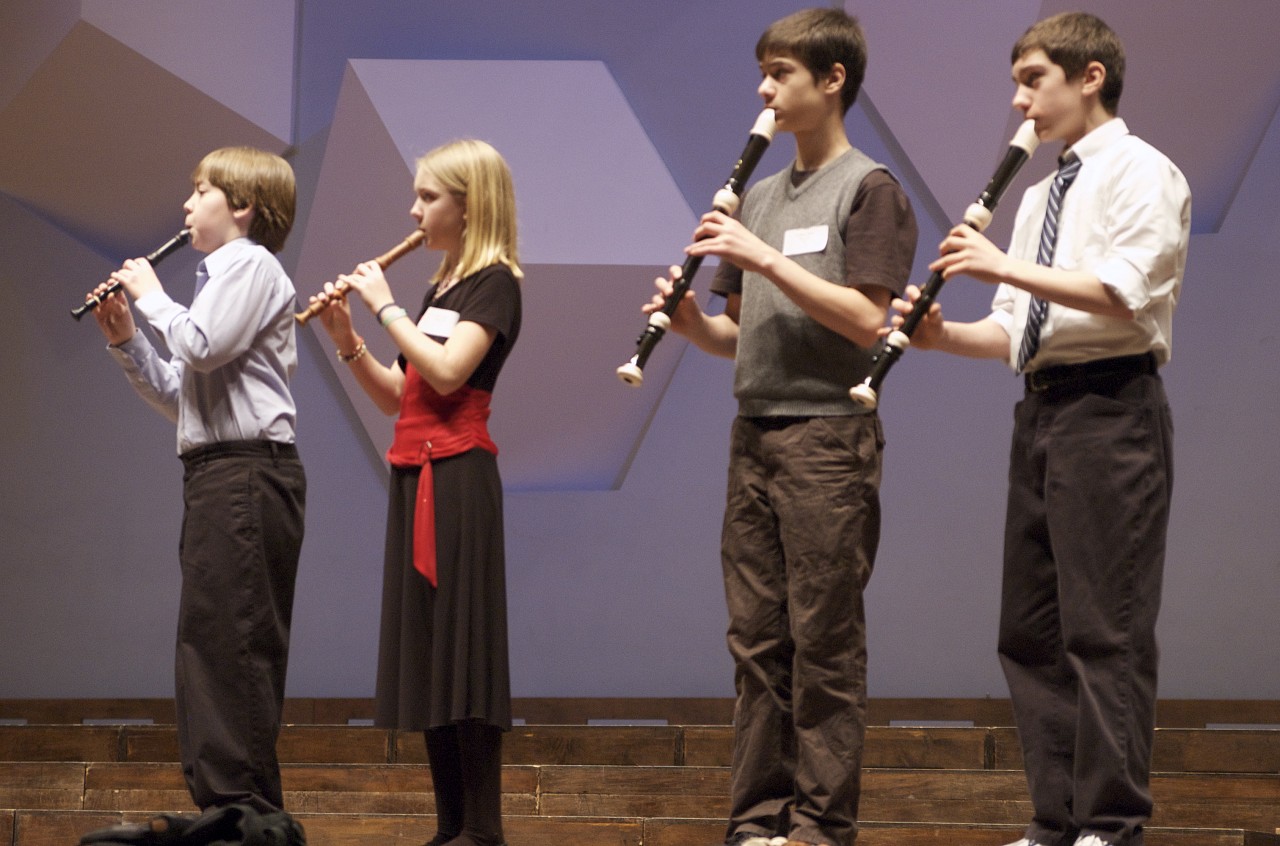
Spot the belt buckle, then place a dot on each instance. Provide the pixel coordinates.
(1037, 383)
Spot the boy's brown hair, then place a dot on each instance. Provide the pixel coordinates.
(1072, 40)
(818, 39)
(254, 178)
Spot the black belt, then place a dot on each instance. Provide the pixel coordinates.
(244, 449)
(1078, 375)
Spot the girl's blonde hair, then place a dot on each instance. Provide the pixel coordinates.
(477, 174)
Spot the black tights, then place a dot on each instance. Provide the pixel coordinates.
(466, 772)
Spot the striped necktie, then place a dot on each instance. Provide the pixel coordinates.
(1069, 167)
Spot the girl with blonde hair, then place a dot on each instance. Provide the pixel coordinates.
(442, 662)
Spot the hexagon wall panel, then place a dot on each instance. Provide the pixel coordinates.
(101, 134)
(595, 208)
(620, 120)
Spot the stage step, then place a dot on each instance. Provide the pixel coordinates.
(1176, 750)
(1204, 800)
(62, 828)
(1170, 713)
(629, 785)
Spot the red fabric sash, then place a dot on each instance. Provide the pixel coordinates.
(432, 426)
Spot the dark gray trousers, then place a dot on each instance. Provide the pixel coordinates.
(241, 538)
(801, 527)
(1090, 477)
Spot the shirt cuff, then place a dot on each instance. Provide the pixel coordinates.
(1004, 319)
(1127, 283)
(133, 351)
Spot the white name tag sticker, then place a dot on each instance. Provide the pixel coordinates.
(799, 242)
(438, 322)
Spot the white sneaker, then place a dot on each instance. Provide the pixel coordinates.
(757, 840)
(1090, 840)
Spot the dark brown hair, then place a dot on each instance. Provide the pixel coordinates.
(1072, 40)
(818, 39)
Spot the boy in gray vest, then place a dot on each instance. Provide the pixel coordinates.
(808, 273)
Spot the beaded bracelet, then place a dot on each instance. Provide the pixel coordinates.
(354, 355)
(392, 316)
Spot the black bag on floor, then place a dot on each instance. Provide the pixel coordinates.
(233, 825)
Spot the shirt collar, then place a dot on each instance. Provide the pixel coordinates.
(1098, 139)
(220, 259)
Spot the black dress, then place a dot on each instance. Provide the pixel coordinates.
(442, 654)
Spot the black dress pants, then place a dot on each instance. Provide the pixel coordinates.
(241, 538)
(1090, 477)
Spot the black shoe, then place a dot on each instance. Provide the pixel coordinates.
(440, 839)
(164, 830)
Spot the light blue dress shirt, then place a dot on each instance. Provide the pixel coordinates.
(231, 353)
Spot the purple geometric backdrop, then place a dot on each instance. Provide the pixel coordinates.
(619, 121)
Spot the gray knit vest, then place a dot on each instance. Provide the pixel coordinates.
(789, 365)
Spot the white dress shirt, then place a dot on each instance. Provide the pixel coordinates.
(1127, 221)
(232, 352)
